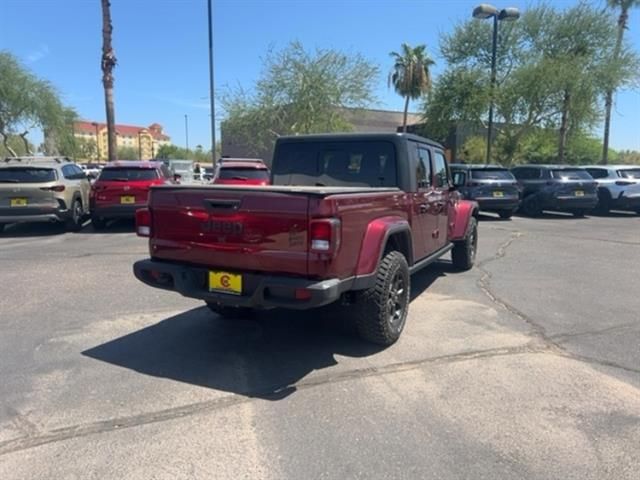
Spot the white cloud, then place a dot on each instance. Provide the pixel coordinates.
(38, 54)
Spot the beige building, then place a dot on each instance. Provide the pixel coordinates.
(145, 140)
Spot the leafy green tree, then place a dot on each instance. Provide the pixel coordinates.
(410, 76)
(474, 150)
(623, 7)
(28, 103)
(552, 67)
(16, 147)
(127, 153)
(299, 91)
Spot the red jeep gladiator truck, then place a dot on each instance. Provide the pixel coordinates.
(347, 217)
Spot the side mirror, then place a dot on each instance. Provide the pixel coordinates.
(459, 179)
(176, 177)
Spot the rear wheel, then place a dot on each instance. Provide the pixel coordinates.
(505, 214)
(1, 227)
(74, 223)
(463, 254)
(98, 223)
(231, 313)
(637, 211)
(381, 311)
(531, 206)
(579, 213)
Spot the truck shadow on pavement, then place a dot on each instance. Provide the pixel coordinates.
(263, 357)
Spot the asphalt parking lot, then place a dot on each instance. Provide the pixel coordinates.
(527, 366)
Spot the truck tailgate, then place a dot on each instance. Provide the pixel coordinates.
(243, 229)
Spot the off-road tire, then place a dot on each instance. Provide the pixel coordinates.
(230, 313)
(98, 223)
(381, 311)
(1, 227)
(505, 214)
(463, 254)
(579, 213)
(74, 223)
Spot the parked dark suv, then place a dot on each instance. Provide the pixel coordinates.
(556, 187)
(492, 186)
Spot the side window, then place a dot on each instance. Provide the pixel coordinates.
(598, 172)
(459, 178)
(440, 170)
(67, 172)
(165, 171)
(424, 168)
(78, 172)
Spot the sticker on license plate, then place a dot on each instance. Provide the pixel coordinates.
(225, 282)
(498, 194)
(579, 193)
(18, 202)
(128, 199)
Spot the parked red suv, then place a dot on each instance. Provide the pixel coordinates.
(123, 187)
(241, 171)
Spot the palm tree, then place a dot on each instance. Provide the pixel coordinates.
(108, 63)
(623, 19)
(410, 76)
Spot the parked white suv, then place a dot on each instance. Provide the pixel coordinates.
(618, 187)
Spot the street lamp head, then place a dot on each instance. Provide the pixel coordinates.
(484, 10)
(509, 14)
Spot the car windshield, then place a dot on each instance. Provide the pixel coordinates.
(492, 174)
(27, 175)
(126, 174)
(571, 174)
(633, 173)
(356, 164)
(182, 166)
(240, 173)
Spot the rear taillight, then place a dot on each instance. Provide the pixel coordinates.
(324, 235)
(624, 183)
(55, 188)
(143, 222)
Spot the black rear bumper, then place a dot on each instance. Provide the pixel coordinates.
(116, 211)
(258, 290)
(498, 204)
(562, 203)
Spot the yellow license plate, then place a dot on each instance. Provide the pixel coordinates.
(225, 282)
(579, 193)
(18, 202)
(498, 194)
(128, 199)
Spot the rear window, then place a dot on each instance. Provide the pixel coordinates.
(630, 173)
(27, 175)
(244, 173)
(127, 174)
(492, 174)
(571, 174)
(356, 164)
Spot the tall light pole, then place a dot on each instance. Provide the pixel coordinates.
(186, 130)
(211, 97)
(484, 11)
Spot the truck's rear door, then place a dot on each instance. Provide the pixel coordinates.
(238, 228)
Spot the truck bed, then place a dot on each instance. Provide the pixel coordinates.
(289, 189)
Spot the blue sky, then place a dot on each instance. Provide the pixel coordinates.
(161, 46)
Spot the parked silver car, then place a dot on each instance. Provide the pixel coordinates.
(618, 187)
(43, 189)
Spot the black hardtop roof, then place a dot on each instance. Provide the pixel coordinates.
(343, 137)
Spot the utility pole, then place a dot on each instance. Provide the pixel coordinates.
(211, 96)
(186, 129)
